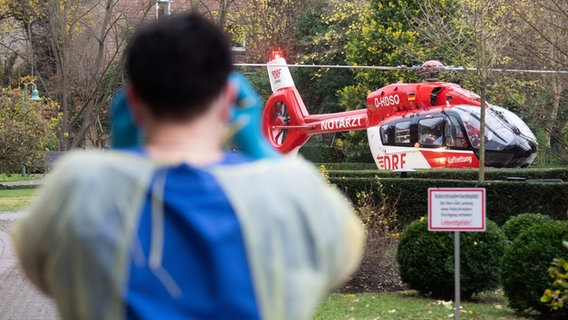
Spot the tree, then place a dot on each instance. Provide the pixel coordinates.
(320, 37)
(27, 129)
(73, 48)
(86, 39)
(540, 41)
(384, 35)
(268, 24)
(477, 31)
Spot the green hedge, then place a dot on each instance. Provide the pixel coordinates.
(350, 167)
(369, 170)
(504, 199)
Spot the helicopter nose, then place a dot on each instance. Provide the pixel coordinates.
(523, 153)
(520, 152)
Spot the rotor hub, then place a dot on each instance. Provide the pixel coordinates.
(432, 68)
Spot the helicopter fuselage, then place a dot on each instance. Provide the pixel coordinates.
(436, 125)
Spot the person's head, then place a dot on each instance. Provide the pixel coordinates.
(178, 66)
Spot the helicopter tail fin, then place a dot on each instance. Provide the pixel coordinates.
(283, 118)
(279, 75)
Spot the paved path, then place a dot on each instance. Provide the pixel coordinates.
(19, 299)
(23, 183)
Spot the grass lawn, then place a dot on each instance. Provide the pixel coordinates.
(15, 177)
(409, 305)
(16, 199)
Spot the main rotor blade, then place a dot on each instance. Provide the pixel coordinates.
(396, 68)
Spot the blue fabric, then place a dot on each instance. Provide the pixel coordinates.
(248, 109)
(125, 132)
(204, 253)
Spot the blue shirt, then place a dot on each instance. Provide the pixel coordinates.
(203, 253)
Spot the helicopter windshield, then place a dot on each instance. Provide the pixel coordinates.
(512, 121)
(501, 126)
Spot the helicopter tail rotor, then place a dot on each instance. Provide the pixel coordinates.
(283, 117)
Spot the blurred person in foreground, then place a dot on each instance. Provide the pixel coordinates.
(179, 228)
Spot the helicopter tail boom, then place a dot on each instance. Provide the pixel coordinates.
(286, 121)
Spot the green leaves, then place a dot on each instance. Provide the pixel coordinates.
(556, 297)
(26, 131)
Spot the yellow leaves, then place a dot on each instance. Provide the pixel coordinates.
(324, 171)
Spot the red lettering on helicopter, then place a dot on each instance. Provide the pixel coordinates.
(276, 74)
(387, 101)
(391, 162)
(342, 123)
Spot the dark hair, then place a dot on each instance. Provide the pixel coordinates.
(179, 65)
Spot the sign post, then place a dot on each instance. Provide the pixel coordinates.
(456, 209)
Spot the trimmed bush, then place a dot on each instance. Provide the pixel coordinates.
(491, 174)
(526, 262)
(426, 260)
(519, 223)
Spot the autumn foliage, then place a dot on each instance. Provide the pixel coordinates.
(26, 130)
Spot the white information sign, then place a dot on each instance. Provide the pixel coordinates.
(456, 209)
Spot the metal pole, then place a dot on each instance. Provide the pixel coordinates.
(164, 7)
(457, 273)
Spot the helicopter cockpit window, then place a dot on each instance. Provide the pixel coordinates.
(454, 135)
(402, 132)
(497, 133)
(430, 131)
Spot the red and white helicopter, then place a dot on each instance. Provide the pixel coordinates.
(431, 124)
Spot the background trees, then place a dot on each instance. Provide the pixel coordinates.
(470, 33)
(539, 40)
(72, 49)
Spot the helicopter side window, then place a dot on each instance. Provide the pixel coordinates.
(430, 131)
(402, 133)
(387, 134)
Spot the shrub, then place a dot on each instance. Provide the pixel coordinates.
(526, 262)
(426, 260)
(556, 297)
(519, 223)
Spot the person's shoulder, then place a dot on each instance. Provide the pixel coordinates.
(282, 163)
(96, 156)
(237, 164)
(286, 168)
(296, 164)
(96, 162)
